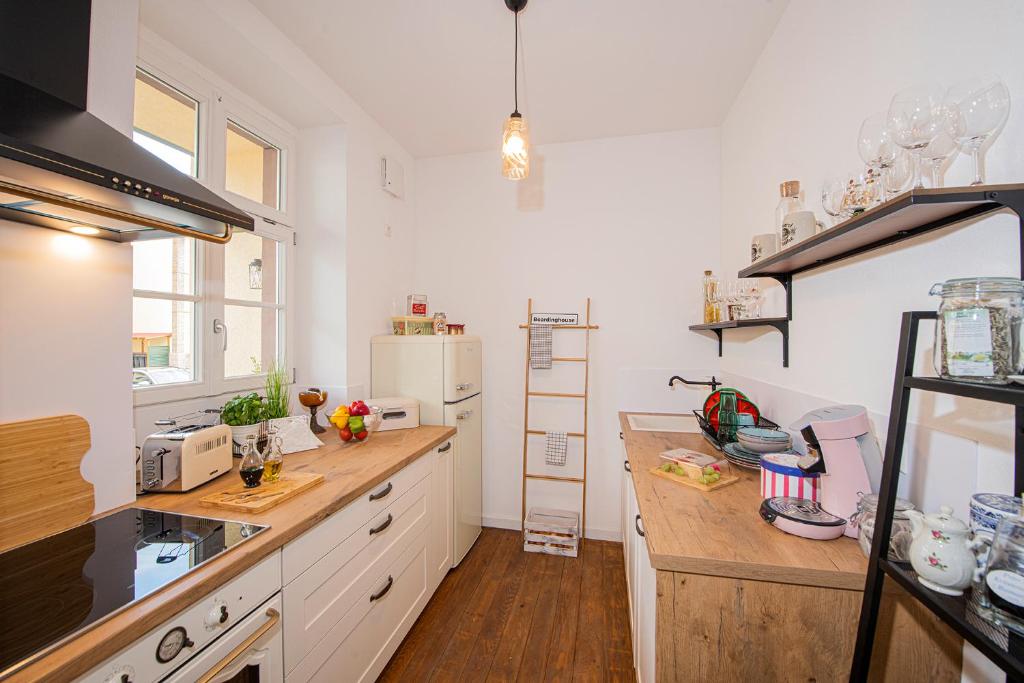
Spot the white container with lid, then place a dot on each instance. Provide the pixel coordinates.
(399, 412)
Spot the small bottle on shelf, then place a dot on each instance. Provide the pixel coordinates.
(710, 287)
(789, 203)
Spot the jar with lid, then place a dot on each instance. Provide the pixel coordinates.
(977, 334)
(710, 291)
(789, 203)
(902, 533)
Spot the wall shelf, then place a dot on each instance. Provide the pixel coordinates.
(781, 324)
(903, 217)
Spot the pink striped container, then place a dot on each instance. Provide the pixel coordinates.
(780, 476)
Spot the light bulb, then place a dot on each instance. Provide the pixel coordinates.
(515, 149)
(85, 230)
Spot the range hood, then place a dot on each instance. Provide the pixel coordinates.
(60, 166)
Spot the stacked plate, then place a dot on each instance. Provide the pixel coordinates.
(760, 440)
(741, 457)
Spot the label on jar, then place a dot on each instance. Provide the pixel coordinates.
(1007, 585)
(968, 342)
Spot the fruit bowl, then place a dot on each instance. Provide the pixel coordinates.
(355, 423)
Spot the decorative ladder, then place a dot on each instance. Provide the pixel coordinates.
(585, 359)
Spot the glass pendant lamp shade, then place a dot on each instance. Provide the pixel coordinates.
(515, 148)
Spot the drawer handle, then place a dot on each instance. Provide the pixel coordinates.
(445, 448)
(384, 525)
(383, 591)
(636, 523)
(382, 493)
(625, 465)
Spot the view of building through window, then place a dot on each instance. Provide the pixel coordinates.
(251, 304)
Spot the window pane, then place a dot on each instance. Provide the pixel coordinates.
(252, 166)
(166, 122)
(166, 265)
(250, 268)
(163, 342)
(252, 340)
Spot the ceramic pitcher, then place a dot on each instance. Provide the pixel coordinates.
(942, 552)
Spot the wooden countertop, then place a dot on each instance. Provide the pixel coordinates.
(720, 533)
(349, 472)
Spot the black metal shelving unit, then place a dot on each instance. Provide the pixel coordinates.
(903, 217)
(954, 611)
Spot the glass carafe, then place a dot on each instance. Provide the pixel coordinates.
(273, 460)
(1002, 588)
(251, 467)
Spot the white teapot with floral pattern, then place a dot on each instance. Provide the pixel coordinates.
(942, 552)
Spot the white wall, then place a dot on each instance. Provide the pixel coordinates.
(627, 221)
(827, 67)
(65, 301)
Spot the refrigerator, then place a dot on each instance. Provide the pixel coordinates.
(444, 373)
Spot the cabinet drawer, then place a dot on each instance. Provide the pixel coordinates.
(322, 596)
(360, 645)
(306, 550)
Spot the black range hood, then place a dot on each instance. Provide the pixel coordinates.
(63, 168)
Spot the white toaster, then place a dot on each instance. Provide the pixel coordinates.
(183, 458)
(399, 412)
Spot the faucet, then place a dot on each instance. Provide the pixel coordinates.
(714, 383)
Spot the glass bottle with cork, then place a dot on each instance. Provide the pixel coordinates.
(789, 203)
(710, 287)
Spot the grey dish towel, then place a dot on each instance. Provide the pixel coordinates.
(540, 347)
(554, 453)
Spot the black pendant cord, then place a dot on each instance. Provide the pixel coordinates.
(515, 68)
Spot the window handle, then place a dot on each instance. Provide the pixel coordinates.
(220, 328)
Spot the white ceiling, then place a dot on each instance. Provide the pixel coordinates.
(437, 74)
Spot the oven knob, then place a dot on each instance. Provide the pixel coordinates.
(122, 674)
(217, 617)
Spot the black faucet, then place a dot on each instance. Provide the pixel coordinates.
(714, 383)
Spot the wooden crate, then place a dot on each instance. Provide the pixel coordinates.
(546, 530)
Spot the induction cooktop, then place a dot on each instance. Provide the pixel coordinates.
(53, 588)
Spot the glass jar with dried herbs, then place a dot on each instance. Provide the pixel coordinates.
(977, 335)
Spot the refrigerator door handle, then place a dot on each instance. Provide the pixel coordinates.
(464, 414)
(464, 387)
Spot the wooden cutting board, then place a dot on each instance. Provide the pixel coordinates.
(42, 491)
(264, 496)
(686, 481)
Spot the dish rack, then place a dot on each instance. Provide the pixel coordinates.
(709, 432)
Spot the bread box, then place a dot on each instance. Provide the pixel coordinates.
(399, 412)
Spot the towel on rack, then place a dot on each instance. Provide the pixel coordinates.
(540, 347)
(554, 453)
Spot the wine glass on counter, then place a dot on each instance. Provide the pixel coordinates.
(915, 120)
(978, 108)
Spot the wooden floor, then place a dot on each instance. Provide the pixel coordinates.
(505, 615)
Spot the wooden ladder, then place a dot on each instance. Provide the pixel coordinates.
(585, 359)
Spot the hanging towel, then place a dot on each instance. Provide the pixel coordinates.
(554, 454)
(540, 347)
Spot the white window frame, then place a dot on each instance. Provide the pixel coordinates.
(218, 102)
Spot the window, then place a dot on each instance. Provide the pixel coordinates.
(166, 122)
(209, 319)
(253, 166)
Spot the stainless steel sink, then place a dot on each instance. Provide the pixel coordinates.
(664, 423)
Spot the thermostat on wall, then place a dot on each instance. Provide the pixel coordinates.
(392, 177)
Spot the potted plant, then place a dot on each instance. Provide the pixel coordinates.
(277, 404)
(245, 415)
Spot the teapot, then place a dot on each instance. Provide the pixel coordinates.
(942, 552)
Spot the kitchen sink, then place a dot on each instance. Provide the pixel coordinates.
(664, 423)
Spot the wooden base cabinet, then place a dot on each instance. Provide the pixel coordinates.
(356, 583)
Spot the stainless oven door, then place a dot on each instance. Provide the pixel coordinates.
(251, 652)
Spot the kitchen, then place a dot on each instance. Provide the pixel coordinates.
(643, 173)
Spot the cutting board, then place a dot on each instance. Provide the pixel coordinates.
(686, 481)
(264, 496)
(42, 491)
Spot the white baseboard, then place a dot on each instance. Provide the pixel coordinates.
(513, 523)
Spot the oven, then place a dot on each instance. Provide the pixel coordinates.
(250, 652)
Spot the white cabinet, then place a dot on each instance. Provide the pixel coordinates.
(355, 583)
(641, 581)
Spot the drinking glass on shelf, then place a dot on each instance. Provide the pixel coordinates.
(915, 120)
(832, 191)
(875, 143)
(896, 177)
(857, 193)
(938, 151)
(979, 108)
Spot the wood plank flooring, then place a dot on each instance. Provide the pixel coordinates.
(506, 615)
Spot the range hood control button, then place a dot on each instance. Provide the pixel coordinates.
(115, 180)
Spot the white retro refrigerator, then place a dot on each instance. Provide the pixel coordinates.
(444, 373)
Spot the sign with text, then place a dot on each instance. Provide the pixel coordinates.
(555, 319)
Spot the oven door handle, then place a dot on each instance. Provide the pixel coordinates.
(274, 618)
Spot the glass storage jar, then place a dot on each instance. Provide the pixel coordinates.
(901, 536)
(977, 334)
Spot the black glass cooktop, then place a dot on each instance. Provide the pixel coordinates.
(56, 586)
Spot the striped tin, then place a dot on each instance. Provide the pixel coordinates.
(780, 476)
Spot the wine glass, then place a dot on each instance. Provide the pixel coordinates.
(832, 191)
(896, 177)
(915, 120)
(979, 108)
(875, 143)
(938, 151)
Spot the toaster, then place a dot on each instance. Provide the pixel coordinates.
(182, 458)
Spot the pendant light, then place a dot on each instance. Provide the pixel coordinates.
(515, 141)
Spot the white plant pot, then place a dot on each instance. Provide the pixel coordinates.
(239, 435)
